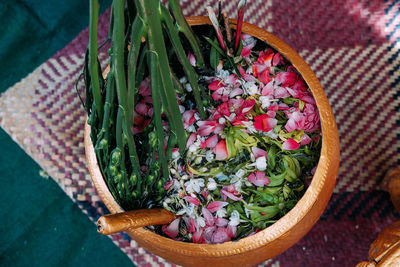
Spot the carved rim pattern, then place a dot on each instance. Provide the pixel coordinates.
(290, 228)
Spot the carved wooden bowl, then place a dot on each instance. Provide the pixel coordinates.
(281, 235)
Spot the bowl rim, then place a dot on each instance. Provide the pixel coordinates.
(322, 182)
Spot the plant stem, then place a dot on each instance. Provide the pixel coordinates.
(157, 44)
(183, 59)
(118, 63)
(136, 36)
(184, 27)
(93, 67)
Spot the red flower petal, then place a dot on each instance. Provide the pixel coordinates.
(206, 127)
(220, 150)
(188, 117)
(305, 139)
(290, 144)
(212, 141)
(220, 236)
(142, 109)
(286, 78)
(192, 59)
(264, 123)
(258, 179)
(216, 205)
(231, 230)
(168, 184)
(215, 85)
(247, 106)
(258, 152)
(172, 229)
(191, 140)
(192, 200)
(208, 217)
(221, 222)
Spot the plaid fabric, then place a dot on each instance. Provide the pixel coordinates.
(354, 49)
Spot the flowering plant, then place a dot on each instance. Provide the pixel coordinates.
(229, 148)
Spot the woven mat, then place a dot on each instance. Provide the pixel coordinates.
(353, 47)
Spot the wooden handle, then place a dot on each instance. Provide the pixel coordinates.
(118, 222)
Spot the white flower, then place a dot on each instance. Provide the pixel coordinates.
(221, 120)
(183, 80)
(188, 87)
(265, 101)
(249, 40)
(197, 116)
(271, 134)
(223, 74)
(188, 210)
(234, 220)
(191, 129)
(251, 88)
(221, 213)
(221, 176)
(250, 126)
(194, 185)
(240, 173)
(209, 155)
(247, 211)
(261, 163)
(211, 185)
(176, 154)
(181, 108)
(200, 221)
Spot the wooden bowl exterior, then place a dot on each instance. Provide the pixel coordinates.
(281, 235)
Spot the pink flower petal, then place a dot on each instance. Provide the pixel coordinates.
(168, 184)
(208, 217)
(220, 150)
(172, 229)
(281, 92)
(220, 236)
(212, 141)
(226, 194)
(231, 231)
(258, 152)
(264, 123)
(144, 88)
(221, 222)
(198, 238)
(206, 127)
(208, 233)
(283, 106)
(191, 140)
(286, 78)
(258, 179)
(246, 51)
(192, 200)
(290, 144)
(191, 224)
(142, 109)
(268, 89)
(216, 205)
(215, 85)
(235, 92)
(192, 59)
(248, 105)
(305, 139)
(188, 117)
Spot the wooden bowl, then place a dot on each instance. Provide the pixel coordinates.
(276, 238)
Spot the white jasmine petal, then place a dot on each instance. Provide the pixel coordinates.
(200, 221)
(209, 155)
(221, 213)
(188, 87)
(261, 163)
(211, 185)
(183, 79)
(234, 219)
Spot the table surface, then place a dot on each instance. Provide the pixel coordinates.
(41, 226)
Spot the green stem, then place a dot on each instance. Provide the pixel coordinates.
(157, 44)
(93, 67)
(155, 90)
(184, 27)
(183, 59)
(136, 36)
(118, 63)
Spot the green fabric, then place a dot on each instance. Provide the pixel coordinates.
(40, 225)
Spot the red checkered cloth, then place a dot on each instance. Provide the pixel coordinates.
(354, 49)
